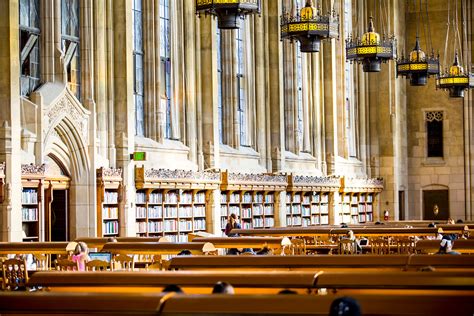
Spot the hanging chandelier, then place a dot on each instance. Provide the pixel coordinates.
(371, 50)
(456, 80)
(418, 67)
(228, 12)
(309, 27)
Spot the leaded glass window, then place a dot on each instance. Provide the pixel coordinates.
(434, 128)
(29, 46)
(138, 87)
(70, 16)
(242, 104)
(165, 54)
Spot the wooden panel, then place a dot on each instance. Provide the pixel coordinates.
(153, 248)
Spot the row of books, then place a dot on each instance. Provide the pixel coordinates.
(307, 198)
(110, 213)
(29, 196)
(307, 221)
(29, 214)
(110, 228)
(248, 197)
(356, 199)
(111, 197)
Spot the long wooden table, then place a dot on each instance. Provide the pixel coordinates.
(432, 246)
(328, 232)
(397, 303)
(152, 248)
(33, 248)
(242, 242)
(99, 242)
(375, 279)
(322, 262)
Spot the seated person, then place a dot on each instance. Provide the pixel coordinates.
(345, 306)
(446, 246)
(223, 288)
(350, 235)
(173, 288)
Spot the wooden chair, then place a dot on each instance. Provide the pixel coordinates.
(405, 245)
(380, 246)
(123, 262)
(298, 246)
(42, 262)
(347, 247)
(65, 265)
(15, 274)
(154, 266)
(97, 265)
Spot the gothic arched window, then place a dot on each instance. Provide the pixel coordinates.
(29, 46)
(70, 16)
(138, 87)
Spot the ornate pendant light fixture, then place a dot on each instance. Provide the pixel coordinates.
(228, 12)
(456, 80)
(371, 50)
(309, 27)
(418, 66)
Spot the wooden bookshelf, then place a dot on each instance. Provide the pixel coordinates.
(110, 192)
(358, 200)
(253, 197)
(172, 203)
(32, 180)
(309, 200)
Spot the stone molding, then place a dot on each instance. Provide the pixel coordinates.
(64, 107)
(33, 170)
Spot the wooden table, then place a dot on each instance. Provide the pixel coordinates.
(242, 242)
(465, 246)
(152, 248)
(33, 248)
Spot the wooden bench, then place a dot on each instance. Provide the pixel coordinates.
(322, 262)
(46, 303)
(99, 242)
(432, 246)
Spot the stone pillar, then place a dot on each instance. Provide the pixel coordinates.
(110, 83)
(275, 112)
(208, 93)
(189, 78)
(230, 96)
(10, 147)
(261, 143)
(124, 107)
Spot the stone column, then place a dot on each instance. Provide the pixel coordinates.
(110, 83)
(124, 107)
(100, 73)
(275, 110)
(208, 93)
(10, 147)
(229, 89)
(189, 78)
(260, 140)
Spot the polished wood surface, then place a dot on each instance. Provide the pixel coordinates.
(33, 247)
(152, 248)
(242, 242)
(432, 246)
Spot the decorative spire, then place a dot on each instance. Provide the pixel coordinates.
(309, 3)
(417, 44)
(456, 58)
(371, 25)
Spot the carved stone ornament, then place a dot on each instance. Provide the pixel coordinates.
(257, 178)
(64, 107)
(33, 170)
(2, 170)
(109, 173)
(434, 116)
(316, 181)
(168, 174)
(364, 183)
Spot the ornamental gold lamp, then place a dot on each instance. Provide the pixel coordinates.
(371, 50)
(309, 27)
(228, 12)
(456, 80)
(418, 67)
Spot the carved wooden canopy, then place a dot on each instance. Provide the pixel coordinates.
(253, 181)
(313, 183)
(362, 185)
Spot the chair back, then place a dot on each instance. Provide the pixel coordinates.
(298, 247)
(347, 247)
(380, 246)
(42, 262)
(405, 245)
(65, 265)
(15, 274)
(96, 265)
(123, 262)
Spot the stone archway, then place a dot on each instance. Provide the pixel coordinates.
(65, 135)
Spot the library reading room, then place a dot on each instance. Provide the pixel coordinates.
(237, 157)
